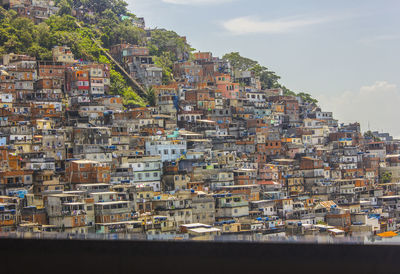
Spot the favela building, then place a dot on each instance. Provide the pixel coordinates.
(208, 150)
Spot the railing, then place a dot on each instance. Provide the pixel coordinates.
(234, 204)
(113, 211)
(249, 237)
(73, 213)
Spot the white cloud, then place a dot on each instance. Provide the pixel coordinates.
(196, 2)
(249, 25)
(377, 105)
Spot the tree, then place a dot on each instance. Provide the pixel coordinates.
(151, 96)
(169, 41)
(39, 52)
(131, 97)
(115, 30)
(386, 177)
(239, 62)
(13, 44)
(65, 7)
(21, 35)
(43, 36)
(119, 7)
(62, 23)
(268, 78)
(369, 135)
(287, 92)
(307, 98)
(165, 62)
(119, 85)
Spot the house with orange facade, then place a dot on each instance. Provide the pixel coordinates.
(87, 172)
(228, 89)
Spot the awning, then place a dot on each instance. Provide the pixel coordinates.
(387, 234)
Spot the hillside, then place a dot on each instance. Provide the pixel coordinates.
(106, 23)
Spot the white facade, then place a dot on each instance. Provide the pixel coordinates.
(169, 150)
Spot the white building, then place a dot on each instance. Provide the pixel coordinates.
(169, 150)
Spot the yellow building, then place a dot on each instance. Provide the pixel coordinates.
(44, 124)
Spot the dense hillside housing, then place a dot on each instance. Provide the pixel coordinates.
(215, 153)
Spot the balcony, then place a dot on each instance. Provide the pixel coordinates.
(110, 208)
(73, 213)
(235, 204)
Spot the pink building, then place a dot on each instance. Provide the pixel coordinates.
(228, 89)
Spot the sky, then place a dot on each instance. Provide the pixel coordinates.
(344, 53)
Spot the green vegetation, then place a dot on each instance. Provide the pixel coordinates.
(114, 24)
(368, 134)
(109, 24)
(168, 47)
(118, 7)
(21, 36)
(119, 86)
(165, 62)
(307, 97)
(386, 177)
(241, 63)
(114, 30)
(151, 96)
(268, 78)
(163, 41)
